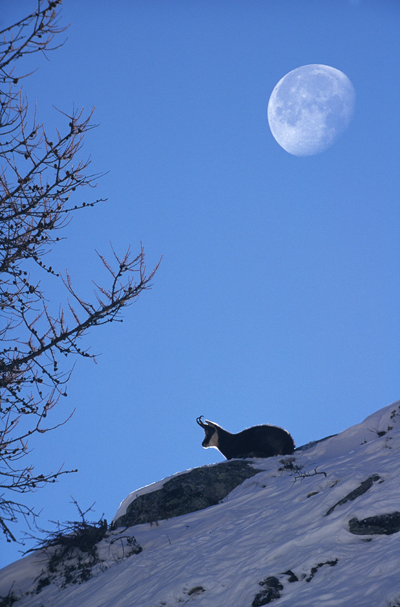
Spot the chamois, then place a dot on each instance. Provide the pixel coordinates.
(258, 441)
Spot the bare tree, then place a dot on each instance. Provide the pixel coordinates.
(39, 175)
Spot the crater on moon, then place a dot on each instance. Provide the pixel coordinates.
(309, 108)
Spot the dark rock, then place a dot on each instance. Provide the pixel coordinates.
(270, 592)
(292, 576)
(315, 569)
(382, 524)
(191, 491)
(196, 590)
(363, 488)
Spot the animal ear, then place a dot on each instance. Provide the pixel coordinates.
(210, 423)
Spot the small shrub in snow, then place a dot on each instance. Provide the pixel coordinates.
(73, 551)
(9, 600)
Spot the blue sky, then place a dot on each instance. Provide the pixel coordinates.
(277, 299)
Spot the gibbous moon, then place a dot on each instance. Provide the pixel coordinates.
(309, 108)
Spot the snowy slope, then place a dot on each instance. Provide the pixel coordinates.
(275, 525)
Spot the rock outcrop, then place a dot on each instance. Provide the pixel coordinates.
(381, 524)
(191, 491)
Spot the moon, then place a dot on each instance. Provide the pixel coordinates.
(310, 108)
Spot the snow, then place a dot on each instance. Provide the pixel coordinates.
(273, 524)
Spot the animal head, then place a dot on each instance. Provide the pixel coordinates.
(211, 432)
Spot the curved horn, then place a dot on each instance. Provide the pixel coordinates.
(198, 420)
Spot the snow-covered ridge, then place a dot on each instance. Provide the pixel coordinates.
(281, 536)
